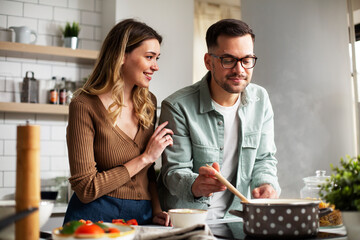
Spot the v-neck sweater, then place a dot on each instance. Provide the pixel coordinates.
(98, 150)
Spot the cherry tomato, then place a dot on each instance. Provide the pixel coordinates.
(132, 222)
(89, 229)
(113, 230)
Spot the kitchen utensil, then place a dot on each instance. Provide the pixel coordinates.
(185, 217)
(30, 86)
(14, 217)
(7, 208)
(23, 35)
(229, 185)
(281, 218)
(7, 35)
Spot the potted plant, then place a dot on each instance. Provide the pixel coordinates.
(71, 33)
(343, 190)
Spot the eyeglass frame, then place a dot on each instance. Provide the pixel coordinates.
(237, 60)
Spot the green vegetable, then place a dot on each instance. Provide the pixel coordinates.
(103, 226)
(70, 227)
(343, 187)
(71, 30)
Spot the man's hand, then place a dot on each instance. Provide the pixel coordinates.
(264, 191)
(206, 183)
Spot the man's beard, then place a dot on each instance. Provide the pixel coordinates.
(230, 88)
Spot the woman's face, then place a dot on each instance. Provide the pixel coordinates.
(140, 64)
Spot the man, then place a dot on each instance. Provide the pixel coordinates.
(224, 121)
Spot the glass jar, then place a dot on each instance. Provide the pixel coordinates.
(312, 185)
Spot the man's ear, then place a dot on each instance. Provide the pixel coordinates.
(207, 61)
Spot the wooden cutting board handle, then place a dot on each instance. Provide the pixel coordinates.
(27, 193)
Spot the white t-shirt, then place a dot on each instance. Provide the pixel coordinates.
(221, 200)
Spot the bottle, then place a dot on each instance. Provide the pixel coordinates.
(62, 96)
(312, 185)
(53, 96)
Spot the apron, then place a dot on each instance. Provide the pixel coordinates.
(108, 208)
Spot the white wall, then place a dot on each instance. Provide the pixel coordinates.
(304, 64)
(173, 20)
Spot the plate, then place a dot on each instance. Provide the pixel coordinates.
(126, 233)
(332, 226)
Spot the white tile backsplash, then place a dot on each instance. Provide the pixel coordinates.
(60, 164)
(82, 4)
(1, 147)
(58, 133)
(3, 21)
(22, 21)
(10, 179)
(1, 181)
(91, 18)
(10, 148)
(2, 83)
(33, 10)
(8, 131)
(19, 118)
(57, 3)
(10, 68)
(52, 148)
(66, 15)
(86, 32)
(11, 8)
(7, 163)
(40, 71)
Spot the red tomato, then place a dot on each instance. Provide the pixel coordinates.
(122, 221)
(89, 229)
(113, 230)
(132, 222)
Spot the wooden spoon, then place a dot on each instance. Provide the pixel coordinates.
(229, 185)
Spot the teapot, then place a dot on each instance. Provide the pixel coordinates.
(23, 34)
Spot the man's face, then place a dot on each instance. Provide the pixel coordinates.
(233, 80)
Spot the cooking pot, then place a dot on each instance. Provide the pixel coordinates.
(281, 218)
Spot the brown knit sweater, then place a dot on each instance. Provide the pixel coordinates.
(97, 151)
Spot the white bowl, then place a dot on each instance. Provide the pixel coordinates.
(7, 208)
(185, 217)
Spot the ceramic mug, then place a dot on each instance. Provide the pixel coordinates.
(6, 35)
(23, 34)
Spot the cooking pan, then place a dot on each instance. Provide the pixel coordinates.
(281, 218)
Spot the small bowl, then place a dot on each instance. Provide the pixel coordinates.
(186, 217)
(7, 208)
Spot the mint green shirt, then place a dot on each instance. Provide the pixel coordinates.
(199, 140)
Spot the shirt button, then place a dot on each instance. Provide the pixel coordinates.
(221, 148)
(133, 179)
(139, 194)
(220, 123)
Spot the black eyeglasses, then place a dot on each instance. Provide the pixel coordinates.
(230, 62)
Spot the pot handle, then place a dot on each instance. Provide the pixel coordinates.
(237, 213)
(324, 211)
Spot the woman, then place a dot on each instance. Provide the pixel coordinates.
(111, 140)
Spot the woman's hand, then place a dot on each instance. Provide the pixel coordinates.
(158, 142)
(162, 218)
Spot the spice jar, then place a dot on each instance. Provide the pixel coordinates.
(312, 185)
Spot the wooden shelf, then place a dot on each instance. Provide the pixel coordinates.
(34, 108)
(20, 50)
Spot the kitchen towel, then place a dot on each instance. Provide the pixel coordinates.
(195, 232)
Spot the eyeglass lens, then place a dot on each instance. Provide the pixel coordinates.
(230, 62)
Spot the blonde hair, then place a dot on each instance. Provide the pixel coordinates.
(123, 38)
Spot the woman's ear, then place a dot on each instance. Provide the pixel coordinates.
(207, 61)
